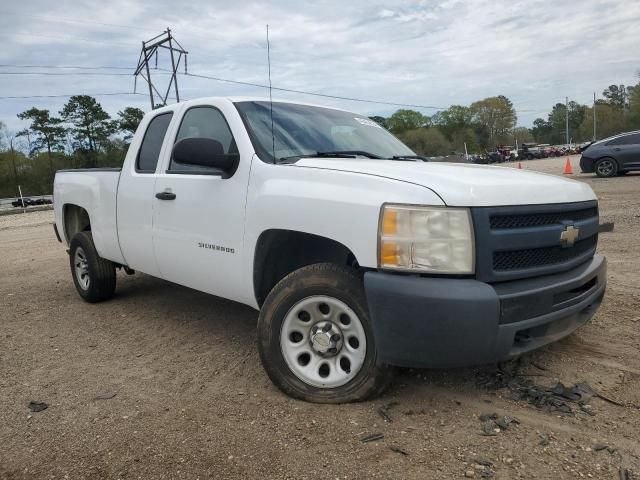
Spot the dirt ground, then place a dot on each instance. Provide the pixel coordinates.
(192, 401)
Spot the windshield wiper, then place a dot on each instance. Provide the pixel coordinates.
(334, 154)
(410, 157)
(354, 153)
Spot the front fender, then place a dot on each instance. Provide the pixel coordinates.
(341, 206)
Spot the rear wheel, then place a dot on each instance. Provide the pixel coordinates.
(315, 339)
(606, 167)
(93, 276)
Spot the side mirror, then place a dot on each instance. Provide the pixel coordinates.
(204, 152)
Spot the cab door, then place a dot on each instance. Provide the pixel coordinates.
(198, 215)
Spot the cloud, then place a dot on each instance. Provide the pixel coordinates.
(422, 52)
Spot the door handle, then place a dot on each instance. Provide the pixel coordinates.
(617, 149)
(166, 196)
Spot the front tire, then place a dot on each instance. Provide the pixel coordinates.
(606, 167)
(93, 276)
(315, 340)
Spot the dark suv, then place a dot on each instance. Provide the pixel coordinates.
(612, 156)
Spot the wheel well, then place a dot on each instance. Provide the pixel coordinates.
(76, 219)
(608, 158)
(280, 252)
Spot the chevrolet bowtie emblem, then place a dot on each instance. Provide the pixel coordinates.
(569, 236)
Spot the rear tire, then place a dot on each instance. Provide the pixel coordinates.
(93, 276)
(606, 168)
(315, 339)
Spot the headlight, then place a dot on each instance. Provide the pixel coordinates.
(429, 239)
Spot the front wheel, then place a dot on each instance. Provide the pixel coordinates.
(606, 167)
(93, 276)
(315, 339)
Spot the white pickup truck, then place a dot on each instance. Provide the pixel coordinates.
(359, 255)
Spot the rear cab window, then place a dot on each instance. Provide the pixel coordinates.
(149, 151)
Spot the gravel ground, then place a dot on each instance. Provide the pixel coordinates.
(28, 219)
(165, 382)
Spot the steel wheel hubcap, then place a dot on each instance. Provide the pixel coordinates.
(605, 168)
(323, 341)
(82, 268)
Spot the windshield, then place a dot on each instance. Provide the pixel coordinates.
(301, 130)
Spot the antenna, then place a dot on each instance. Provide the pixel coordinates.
(273, 137)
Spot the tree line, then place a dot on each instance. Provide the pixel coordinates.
(83, 134)
(490, 122)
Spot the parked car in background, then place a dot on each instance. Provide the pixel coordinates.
(22, 202)
(554, 151)
(612, 156)
(29, 202)
(495, 157)
(508, 153)
(529, 151)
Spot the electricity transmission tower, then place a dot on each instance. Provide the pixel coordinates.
(150, 50)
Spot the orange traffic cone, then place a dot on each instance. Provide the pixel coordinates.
(520, 165)
(567, 167)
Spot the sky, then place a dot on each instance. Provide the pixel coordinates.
(430, 53)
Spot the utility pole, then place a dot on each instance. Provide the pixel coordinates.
(13, 161)
(150, 48)
(567, 118)
(624, 102)
(594, 116)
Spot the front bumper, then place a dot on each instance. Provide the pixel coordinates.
(445, 322)
(586, 164)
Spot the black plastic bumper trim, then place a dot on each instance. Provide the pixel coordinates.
(438, 322)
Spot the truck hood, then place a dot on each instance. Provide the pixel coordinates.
(466, 185)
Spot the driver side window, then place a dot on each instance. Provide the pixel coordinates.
(203, 122)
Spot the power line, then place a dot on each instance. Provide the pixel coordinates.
(12, 97)
(78, 67)
(65, 38)
(66, 96)
(70, 74)
(302, 92)
(226, 80)
(80, 21)
(209, 77)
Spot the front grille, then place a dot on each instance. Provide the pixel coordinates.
(522, 241)
(537, 257)
(541, 219)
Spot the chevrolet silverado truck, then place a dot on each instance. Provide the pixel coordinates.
(359, 255)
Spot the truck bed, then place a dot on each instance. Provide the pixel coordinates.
(95, 190)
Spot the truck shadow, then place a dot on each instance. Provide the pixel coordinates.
(175, 303)
(217, 321)
(229, 327)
